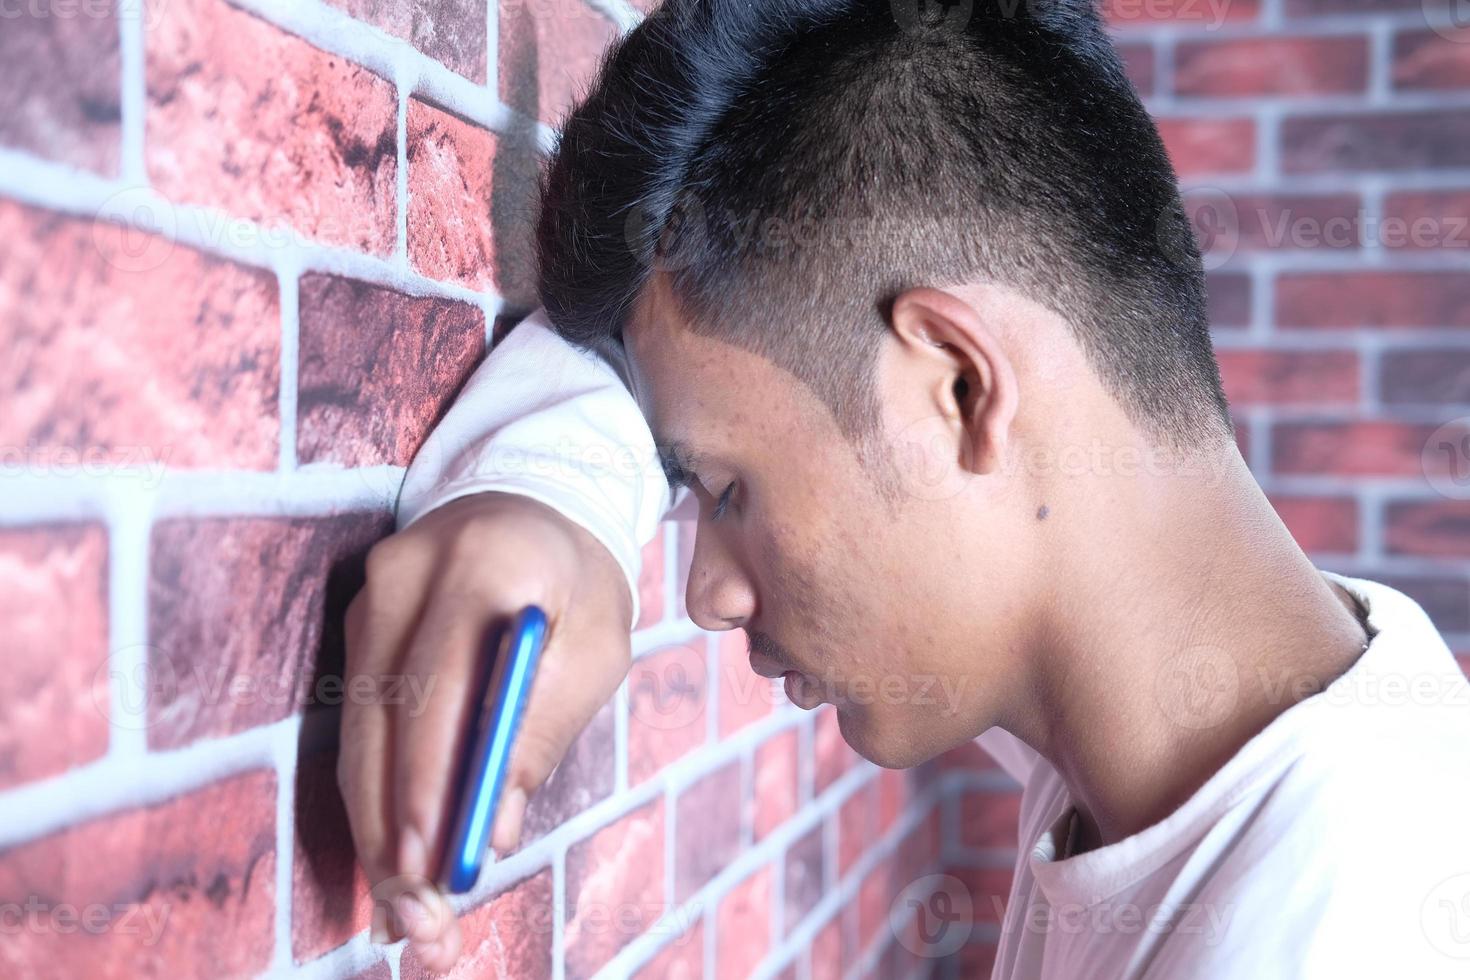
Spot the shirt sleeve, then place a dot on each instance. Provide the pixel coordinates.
(542, 418)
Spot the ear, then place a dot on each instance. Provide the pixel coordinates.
(973, 380)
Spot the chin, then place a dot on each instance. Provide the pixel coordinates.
(871, 741)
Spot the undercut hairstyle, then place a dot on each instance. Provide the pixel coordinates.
(788, 167)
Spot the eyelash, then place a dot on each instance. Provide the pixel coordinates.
(723, 502)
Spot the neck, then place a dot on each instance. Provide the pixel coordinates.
(1203, 622)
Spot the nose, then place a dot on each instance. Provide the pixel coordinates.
(720, 594)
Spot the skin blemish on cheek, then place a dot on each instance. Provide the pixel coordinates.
(1042, 512)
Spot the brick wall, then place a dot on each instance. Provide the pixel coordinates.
(248, 251)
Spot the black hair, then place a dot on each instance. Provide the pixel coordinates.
(790, 166)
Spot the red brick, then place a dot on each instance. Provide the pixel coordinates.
(1229, 299)
(989, 890)
(745, 696)
(237, 639)
(774, 800)
(975, 959)
(1271, 66)
(247, 118)
(875, 894)
(893, 796)
(990, 820)
(60, 84)
(1318, 524)
(681, 959)
(614, 888)
(1425, 377)
(90, 309)
(857, 826)
(1242, 438)
(330, 902)
(449, 31)
(1209, 146)
(53, 602)
(707, 830)
(1275, 222)
(1430, 60)
(378, 971)
(668, 694)
(548, 54)
(583, 777)
(1386, 141)
(744, 931)
(184, 888)
(1138, 62)
(451, 170)
(833, 755)
(1426, 220)
(805, 882)
(828, 948)
(377, 369)
(1365, 448)
(1304, 8)
(918, 852)
(967, 757)
(509, 936)
(651, 582)
(1364, 298)
(1434, 528)
(1263, 377)
(1124, 14)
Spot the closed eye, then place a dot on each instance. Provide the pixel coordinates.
(723, 502)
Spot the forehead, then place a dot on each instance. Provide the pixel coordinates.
(682, 380)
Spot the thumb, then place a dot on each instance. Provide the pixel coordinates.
(578, 673)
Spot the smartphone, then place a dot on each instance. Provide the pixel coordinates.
(495, 718)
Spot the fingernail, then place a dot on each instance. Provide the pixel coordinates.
(508, 820)
(379, 934)
(410, 910)
(412, 854)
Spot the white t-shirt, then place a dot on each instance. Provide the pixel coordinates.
(1330, 846)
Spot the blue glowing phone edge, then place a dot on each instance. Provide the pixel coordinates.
(497, 718)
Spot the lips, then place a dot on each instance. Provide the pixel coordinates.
(765, 666)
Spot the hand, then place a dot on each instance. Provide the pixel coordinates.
(432, 591)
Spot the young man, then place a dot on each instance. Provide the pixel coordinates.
(909, 306)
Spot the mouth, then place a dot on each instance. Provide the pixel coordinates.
(802, 692)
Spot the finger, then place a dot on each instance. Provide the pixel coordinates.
(445, 657)
(375, 632)
(584, 661)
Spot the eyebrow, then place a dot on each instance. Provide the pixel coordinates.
(679, 463)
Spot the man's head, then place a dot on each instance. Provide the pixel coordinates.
(863, 258)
